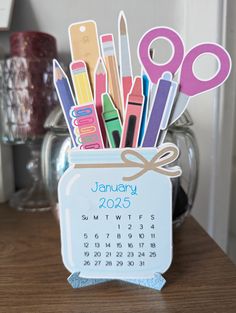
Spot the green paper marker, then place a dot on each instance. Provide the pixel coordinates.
(112, 121)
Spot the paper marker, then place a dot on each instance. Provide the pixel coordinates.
(169, 105)
(167, 112)
(81, 82)
(146, 89)
(133, 115)
(100, 89)
(66, 98)
(112, 122)
(126, 75)
(157, 110)
(109, 56)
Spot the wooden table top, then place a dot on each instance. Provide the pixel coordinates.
(33, 278)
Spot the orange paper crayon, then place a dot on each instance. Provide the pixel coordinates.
(133, 115)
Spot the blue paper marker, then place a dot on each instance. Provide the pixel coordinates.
(167, 112)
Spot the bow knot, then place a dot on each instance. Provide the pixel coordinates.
(165, 155)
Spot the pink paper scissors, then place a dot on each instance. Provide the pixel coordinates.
(190, 85)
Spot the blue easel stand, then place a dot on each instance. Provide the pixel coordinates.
(157, 282)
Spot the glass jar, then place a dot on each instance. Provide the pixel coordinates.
(29, 96)
(57, 143)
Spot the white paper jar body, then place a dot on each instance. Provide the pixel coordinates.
(111, 227)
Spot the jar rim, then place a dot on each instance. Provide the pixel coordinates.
(100, 156)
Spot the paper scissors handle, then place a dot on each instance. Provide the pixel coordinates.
(191, 85)
(153, 70)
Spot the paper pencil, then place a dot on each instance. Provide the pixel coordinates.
(109, 56)
(85, 119)
(126, 75)
(133, 115)
(66, 98)
(81, 82)
(100, 88)
(112, 122)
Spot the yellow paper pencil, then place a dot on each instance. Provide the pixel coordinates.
(81, 82)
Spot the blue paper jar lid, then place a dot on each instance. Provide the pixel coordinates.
(99, 156)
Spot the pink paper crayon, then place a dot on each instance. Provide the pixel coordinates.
(100, 88)
(133, 115)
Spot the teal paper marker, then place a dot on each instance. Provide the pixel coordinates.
(112, 121)
(145, 107)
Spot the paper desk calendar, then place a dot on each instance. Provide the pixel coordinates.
(116, 212)
(115, 203)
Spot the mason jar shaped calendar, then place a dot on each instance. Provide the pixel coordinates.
(116, 212)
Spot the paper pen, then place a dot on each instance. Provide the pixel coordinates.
(157, 111)
(133, 115)
(167, 112)
(112, 122)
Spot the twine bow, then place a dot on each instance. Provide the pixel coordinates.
(165, 155)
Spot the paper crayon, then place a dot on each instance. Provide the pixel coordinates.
(133, 115)
(126, 75)
(109, 56)
(100, 89)
(112, 122)
(81, 82)
(66, 98)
